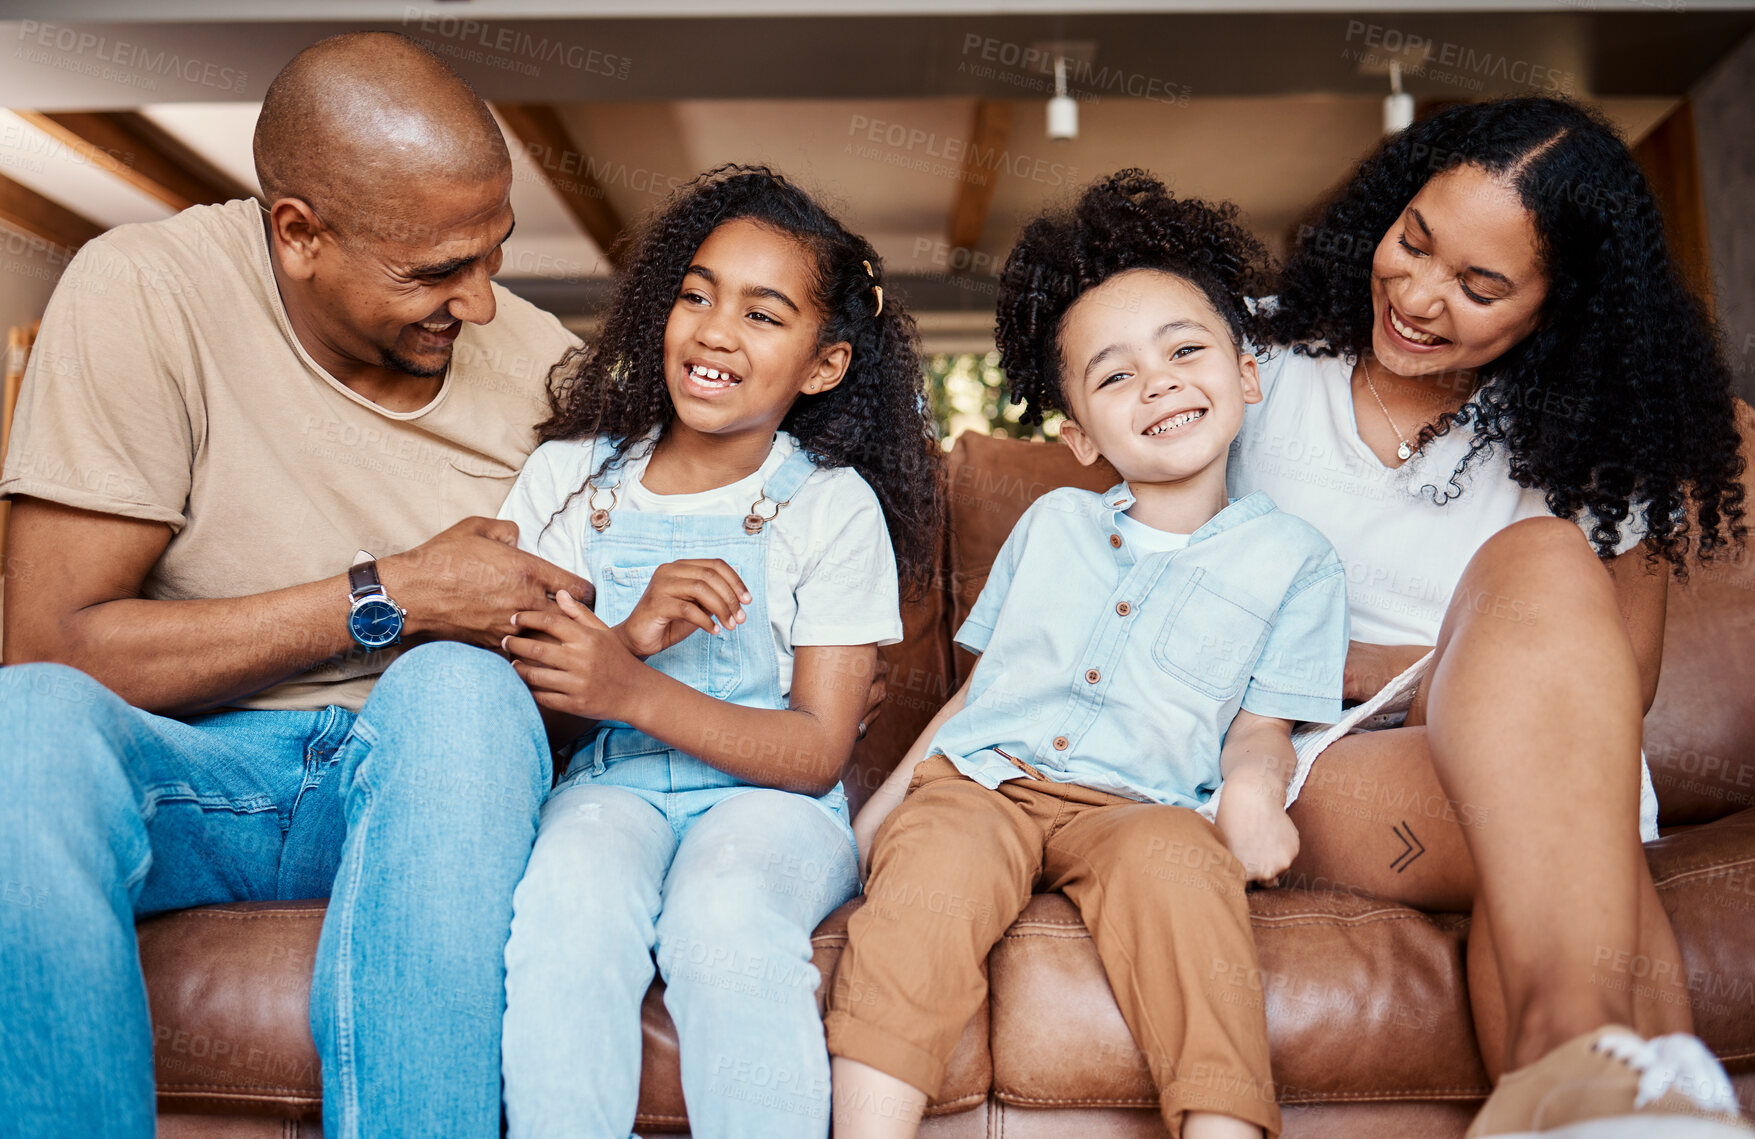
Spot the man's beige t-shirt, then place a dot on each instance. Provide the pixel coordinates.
(166, 384)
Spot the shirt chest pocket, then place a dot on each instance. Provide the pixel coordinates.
(707, 662)
(1209, 641)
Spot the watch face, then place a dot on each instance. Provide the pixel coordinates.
(375, 622)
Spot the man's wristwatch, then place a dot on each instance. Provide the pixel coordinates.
(374, 620)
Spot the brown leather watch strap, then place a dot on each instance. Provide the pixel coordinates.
(363, 577)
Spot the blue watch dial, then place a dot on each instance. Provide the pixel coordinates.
(375, 622)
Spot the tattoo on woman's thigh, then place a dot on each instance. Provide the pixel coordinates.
(1412, 848)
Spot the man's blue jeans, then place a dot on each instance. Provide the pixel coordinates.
(414, 817)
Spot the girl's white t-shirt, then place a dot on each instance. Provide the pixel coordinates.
(831, 568)
(1404, 552)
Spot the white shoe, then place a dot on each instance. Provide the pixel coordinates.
(1611, 1084)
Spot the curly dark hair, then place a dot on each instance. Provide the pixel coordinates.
(876, 421)
(1125, 221)
(1621, 395)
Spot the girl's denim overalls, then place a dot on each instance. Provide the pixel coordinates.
(646, 850)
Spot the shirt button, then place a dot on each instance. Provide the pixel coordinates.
(1092, 676)
(1123, 609)
(1060, 743)
(1115, 540)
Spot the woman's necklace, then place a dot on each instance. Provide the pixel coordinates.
(1406, 450)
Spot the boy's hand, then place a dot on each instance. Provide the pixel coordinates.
(683, 596)
(865, 827)
(1253, 822)
(580, 667)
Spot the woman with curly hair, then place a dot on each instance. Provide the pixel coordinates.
(729, 463)
(1484, 381)
(1495, 395)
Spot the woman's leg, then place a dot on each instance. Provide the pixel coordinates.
(579, 963)
(1367, 791)
(1528, 763)
(753, 877)
(1659, 1008)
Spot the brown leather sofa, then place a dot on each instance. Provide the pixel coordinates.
(1367, 1001)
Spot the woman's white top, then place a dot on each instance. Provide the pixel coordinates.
(1404, 533)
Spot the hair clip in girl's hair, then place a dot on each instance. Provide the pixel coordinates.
(876, 288)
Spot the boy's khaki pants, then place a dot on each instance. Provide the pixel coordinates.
(1163, 899)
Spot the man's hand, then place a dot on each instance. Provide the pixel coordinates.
(683, 596)
(580, 666)
(1253, 822)
(465, 583)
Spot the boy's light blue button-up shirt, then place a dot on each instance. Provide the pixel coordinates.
(1121, 669)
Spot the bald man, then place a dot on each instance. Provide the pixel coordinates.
(252, 557)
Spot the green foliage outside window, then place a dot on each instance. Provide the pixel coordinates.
(968, 394)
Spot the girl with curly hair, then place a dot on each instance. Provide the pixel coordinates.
(729, 463)
(1485, 382)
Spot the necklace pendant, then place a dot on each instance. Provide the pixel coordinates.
(1404, 452)
(600, 520)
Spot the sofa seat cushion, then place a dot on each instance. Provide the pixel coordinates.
(229, 988)
(1700, 731)
(1366, 1000)
(1706, 878)
(1334, 967)
(992, 481)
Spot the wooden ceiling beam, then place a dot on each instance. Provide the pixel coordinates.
(550, 145)
(988, 136)
(23, 208)
(137, 150)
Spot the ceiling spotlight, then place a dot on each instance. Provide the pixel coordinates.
(1398, 105)
(1063, 109)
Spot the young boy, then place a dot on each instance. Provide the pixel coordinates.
(1137, 647)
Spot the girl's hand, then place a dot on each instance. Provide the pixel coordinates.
(1254, 824)
(683, 596)
(581, 667)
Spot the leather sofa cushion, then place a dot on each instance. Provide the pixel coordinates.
(1706, 879)
(1700, 732)
(1334, 967)
(992, 482)
(229, 986)
(917, 685)
(1327, 1121)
